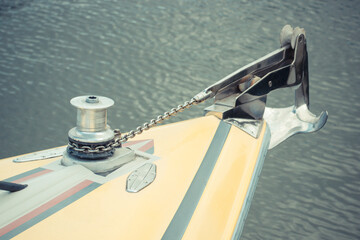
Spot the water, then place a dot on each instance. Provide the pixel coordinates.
(150, 56)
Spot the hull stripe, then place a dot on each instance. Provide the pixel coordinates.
(183, 215)
(27, 175)
(32, 176)
(47, 209)
(147, 147)
(150, 150)
(129, 143)
(251, 190)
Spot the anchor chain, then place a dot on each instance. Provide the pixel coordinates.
(119, 138)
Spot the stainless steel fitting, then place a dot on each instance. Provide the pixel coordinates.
(92, 138)
(91, 125)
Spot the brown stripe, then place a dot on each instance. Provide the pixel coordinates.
(147, 146)
(32, 176)
(127, 144)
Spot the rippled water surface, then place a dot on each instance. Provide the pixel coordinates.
(150, 56)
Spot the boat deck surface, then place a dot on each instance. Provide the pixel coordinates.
(206, 173)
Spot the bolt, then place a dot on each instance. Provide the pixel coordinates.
(92, 99)
(299, 76)
(270, 83)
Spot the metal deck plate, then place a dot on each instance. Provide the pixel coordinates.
(141, 177)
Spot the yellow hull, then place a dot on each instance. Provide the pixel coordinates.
(206, 174)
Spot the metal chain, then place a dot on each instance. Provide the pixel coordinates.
(118, 139)
(88, 149)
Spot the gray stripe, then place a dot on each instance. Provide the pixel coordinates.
(181, 219)
(251, 190)
(25, 174)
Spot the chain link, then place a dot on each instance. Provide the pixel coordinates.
(159, 119)
(88, 149)
(118, 139)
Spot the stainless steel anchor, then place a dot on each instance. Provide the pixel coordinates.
(243, 93)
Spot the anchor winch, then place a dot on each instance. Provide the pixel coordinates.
(92, 142)
(91, 132)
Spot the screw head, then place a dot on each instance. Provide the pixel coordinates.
(92, 99)
(92, 102)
